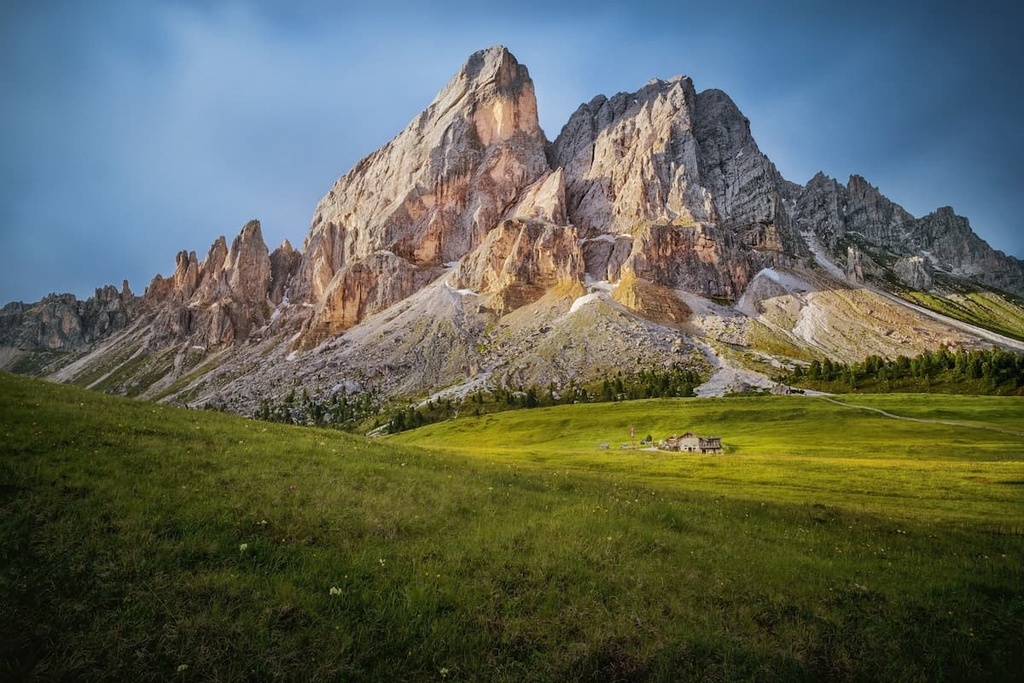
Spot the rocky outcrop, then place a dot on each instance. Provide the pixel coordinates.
(519, 261)
(914, 271)
(950, 244)
(832, 211)
(748, 190)
(651, 301)
(544, 200)
(364, 287)
(216, 301)
(698, 259)
(632, 160)
(284, 264)
(605, 255)
(858, 211)
(854, 265)
(431, 194)
(681, 174)
(60, 322)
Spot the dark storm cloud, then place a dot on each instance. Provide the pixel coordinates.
(133, 130)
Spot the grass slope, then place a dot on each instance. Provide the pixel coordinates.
(783, 449)
(1000, 313)
(140, 542)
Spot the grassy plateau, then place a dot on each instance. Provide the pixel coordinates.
(830, 542)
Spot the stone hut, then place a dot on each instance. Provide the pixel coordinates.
(692, 443)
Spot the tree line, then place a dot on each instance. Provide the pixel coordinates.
(675, 381)
(333, 410)
(979, 371)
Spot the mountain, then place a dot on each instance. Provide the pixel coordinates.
(472, 252)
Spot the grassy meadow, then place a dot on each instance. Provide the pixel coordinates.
(140, 542)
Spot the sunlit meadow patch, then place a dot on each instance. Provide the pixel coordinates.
(518, 551)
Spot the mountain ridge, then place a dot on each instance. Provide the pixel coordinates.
(491, 243)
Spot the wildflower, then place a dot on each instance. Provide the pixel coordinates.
(444, 671)
(243, 547)
(182, 667)
(382, 561)
(335, 590)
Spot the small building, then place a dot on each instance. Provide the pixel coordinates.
(692, 443)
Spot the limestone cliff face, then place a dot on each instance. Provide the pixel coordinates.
(832, 210)
(366, 286)
(430, 195)
(60, 322)
(680, 174)
(914, 272)
(652, 301)
(519, 261)
(700, 259)
(284, 264)
(748, 191)
(649, 215)
(216, 301)
(632, 160)
(946, 241)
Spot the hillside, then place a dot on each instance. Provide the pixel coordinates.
(144, 542)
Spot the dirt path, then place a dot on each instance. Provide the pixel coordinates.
(950, 423)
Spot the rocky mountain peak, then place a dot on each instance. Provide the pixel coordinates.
(631, 159)
(284, 264)
(428, 197)
(248, 264)
(60, 322)
(495, 65)
(941, 240)
(651, 226)
(680, 175)
(215, 301)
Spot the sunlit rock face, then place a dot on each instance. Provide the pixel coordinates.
(216, 301)
(519, 261)
(470, 249)
(678, 174)
(430, 195)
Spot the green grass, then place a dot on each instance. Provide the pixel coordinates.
(35, 363)
(793, 449)
(1000, 313)
(763, 338)
(139, 542)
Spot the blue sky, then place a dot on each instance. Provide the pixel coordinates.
(132, 130)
